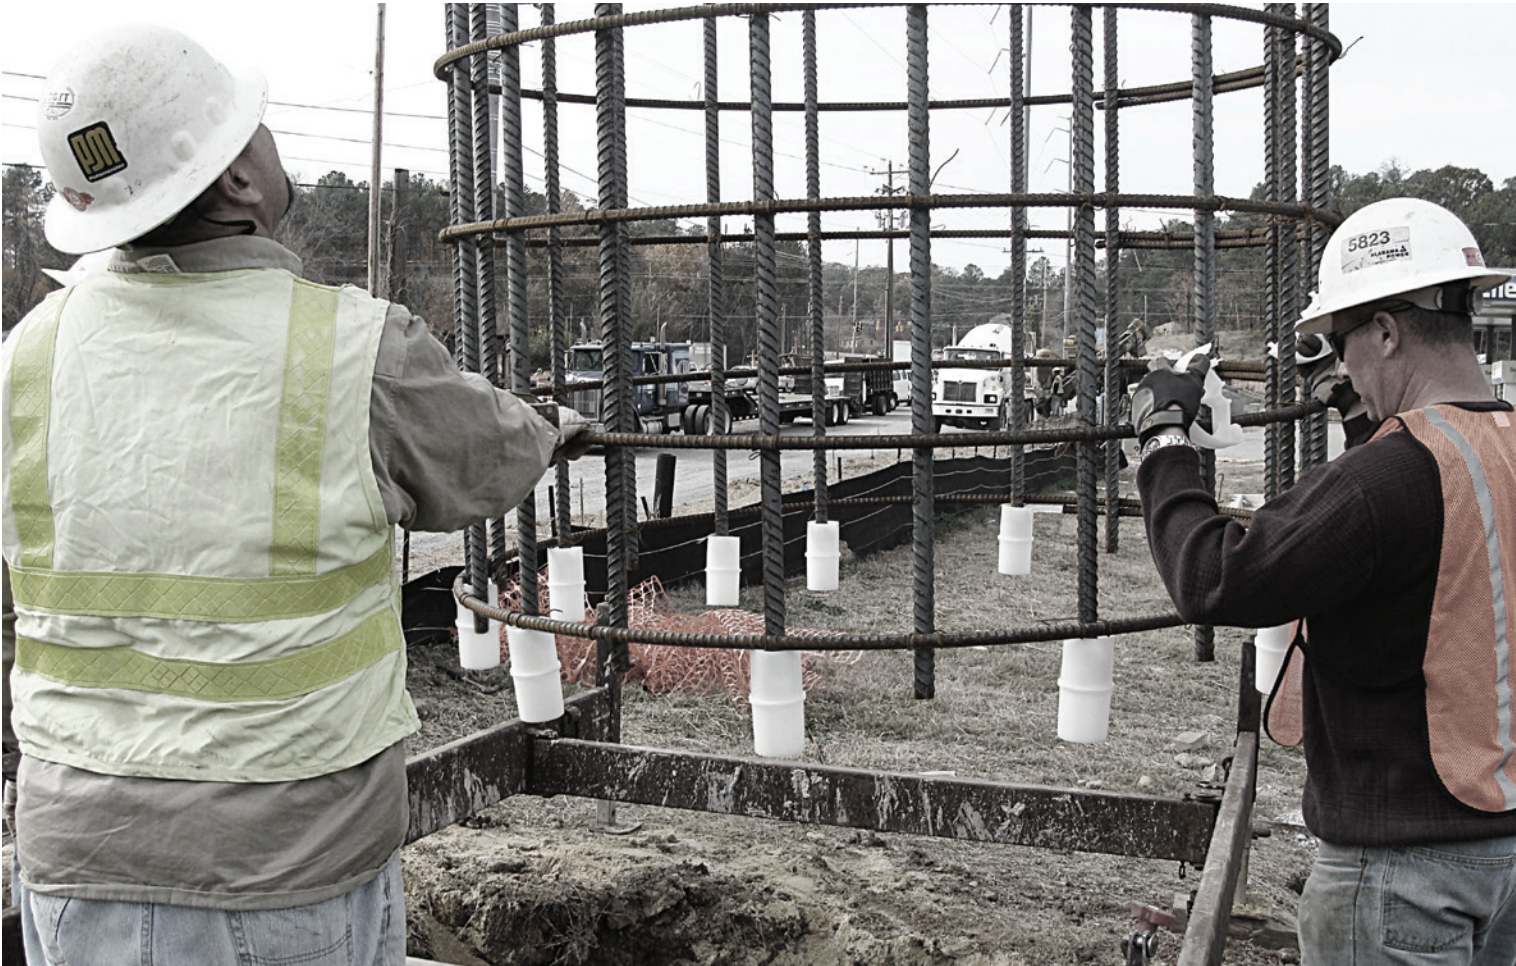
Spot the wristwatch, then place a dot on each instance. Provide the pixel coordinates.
(1162, 440)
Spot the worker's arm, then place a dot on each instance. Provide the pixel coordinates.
(1308, 550)
(449, 449)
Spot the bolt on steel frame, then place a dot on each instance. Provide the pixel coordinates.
(579, 755)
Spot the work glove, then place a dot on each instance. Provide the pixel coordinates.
(1161, 390)
(1316, 365)
(574, 430)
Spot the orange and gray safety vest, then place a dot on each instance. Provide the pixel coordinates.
(1471, 722)
(201, 563)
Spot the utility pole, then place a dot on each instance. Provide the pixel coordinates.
(398, 247)
(375, 187)
(887, 221)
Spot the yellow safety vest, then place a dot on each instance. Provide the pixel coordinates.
(1468, 663)
(201, 564)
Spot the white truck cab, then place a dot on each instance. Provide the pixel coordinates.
(974, 398)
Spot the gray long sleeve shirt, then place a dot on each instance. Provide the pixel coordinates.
(448, 450)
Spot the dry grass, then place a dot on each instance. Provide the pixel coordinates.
(995, 711)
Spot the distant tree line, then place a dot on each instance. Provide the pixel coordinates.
(328, 227)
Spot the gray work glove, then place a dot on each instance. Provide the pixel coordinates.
(1161, 390)
(1316, 365)
(574, 429)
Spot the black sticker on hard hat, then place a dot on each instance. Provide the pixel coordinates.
(57, 103)
(1379, 247)
(96, 152)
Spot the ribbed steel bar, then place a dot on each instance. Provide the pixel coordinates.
(557, 318)
(1205, 248)
(482, 17)
(519, 377)
(1289, 247)
(766, 270)
(643, 18)
(1018, 126)
(716, 299)
(923, 485)
(1115, 383)
(1272, 484)
(813, 256)
(610, 129)
(598, 216)
(1316, 165)
(810, 642)
(627, 360)
(465, 258)
(1083, 125)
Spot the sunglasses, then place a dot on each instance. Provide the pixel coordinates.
(1339, 338)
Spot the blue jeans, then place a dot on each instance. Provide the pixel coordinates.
(365, 927)
(1434, 905)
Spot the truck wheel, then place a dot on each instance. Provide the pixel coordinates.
(880, 404)
(702, 420)
(686, 420)
(844, 412)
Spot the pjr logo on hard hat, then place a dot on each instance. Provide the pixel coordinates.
(96, 152)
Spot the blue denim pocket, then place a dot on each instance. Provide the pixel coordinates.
(313, 935)
(1434, 899)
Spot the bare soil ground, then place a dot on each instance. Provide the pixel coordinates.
(534, 881)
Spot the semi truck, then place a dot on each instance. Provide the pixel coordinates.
(974, 398)
(687, 406)
(659, 407)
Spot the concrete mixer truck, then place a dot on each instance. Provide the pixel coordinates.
(975, 398)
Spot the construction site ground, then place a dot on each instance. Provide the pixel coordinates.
(534, 881)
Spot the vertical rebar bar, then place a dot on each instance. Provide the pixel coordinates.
(1272, 484)
(520, 376)
(1114, 384)
(557, 320)
(1083, 124)
(765, 269)
(1205, 246)
(480, 15)
(716, 300)
(610, 128)
(813, 253)
(1289, 248)
(1316, 165)
(923, 483)
(1018, 252)
(465, 262)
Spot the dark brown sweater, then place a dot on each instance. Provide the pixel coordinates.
(1354, 549)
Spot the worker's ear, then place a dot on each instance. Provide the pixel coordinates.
(1388, 332)
(238, 186)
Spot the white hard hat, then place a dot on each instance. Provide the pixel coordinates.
(1390, 248)
(135, 124)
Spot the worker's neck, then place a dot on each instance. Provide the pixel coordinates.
(1448, 380)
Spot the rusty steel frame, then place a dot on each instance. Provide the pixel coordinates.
(580, 754)
(570, 757)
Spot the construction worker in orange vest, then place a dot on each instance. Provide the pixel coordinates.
(1397, 560)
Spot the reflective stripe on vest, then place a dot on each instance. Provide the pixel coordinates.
(1468, 658)
(278, 597)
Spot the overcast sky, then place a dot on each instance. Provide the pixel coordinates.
(1421, 85)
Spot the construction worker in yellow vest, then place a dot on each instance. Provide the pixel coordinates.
(205, 460)
(1397, 563)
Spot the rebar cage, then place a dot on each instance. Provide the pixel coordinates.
(1297, 51)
